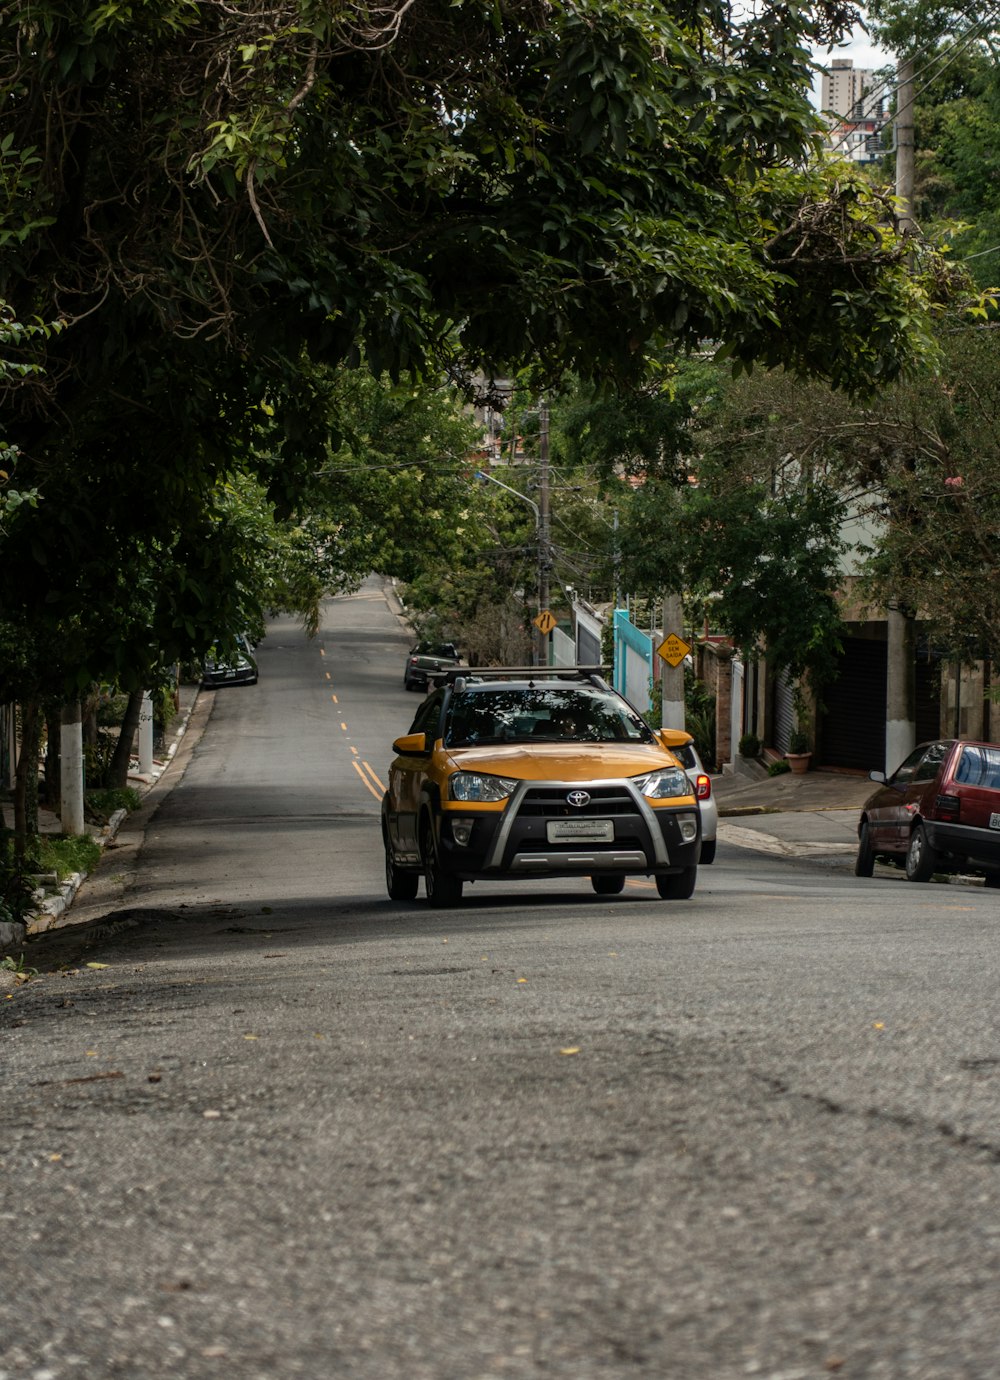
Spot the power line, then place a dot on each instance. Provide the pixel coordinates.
(951, 51)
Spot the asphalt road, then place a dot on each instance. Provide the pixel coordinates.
(269, 1124)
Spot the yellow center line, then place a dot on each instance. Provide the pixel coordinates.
(334, 698)
(374, 776)
(344, 727)
(368, 785)
(355, 751)
(327, 674)
(322, 652)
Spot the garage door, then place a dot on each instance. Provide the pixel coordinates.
(854, 708)
(854, 719)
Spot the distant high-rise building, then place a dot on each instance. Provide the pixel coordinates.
(852, 92)
(853, 103)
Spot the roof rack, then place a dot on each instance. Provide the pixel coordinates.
(481, 673)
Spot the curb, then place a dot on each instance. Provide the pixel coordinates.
(50, 910)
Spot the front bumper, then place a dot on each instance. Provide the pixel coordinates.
(516, 842)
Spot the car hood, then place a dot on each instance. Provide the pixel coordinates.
(562, 761)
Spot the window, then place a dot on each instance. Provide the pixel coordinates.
(930, 763)
(426, 718)
(502, 714)
(979, 766)
(905, 770)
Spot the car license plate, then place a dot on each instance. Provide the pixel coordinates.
(581, 831)
(995, 820)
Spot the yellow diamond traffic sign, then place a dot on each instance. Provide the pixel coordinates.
(673, 649)
(545, 622)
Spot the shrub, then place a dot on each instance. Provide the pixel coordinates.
(798, 742)
(101, 805)
(778, 768)
(16, 893)
(699, 717)
(749, 745)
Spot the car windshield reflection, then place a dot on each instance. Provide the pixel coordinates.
(504, 715)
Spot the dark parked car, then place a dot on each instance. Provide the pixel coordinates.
(223, 666)
(938, 812)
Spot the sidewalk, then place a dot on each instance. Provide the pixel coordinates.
(791, 815)
(56, 898)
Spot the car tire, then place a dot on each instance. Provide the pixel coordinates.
(707, 852)
(677, 886)
(992, 881)
(864, 863)
(921, 861)
(442, 889)
(401, 886)
(608, 886)
(407, 683)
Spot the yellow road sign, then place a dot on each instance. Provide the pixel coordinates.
(673, 649)
(545, 622)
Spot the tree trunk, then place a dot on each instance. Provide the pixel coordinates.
(118, 770)
(26, 780)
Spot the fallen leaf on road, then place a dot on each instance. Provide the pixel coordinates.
(522, 979)
(570, 1049)
(97, 965)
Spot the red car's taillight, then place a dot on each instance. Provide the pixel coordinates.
(702, 786)
(947, 806)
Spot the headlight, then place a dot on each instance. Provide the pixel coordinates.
(473, 785)
(661, 785)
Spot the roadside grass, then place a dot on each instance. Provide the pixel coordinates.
(64, 856)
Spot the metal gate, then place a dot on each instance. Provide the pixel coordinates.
(853, 723)
(784, 710)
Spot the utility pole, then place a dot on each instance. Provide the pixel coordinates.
(672, 713)
(904, 146)
(901, 698)
(544, 552)
(71, 770)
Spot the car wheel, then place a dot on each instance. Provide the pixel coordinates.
(992, 880)
(677, 886)
(864, 863)
(407, 683)
(401, 886)
(920, 859)
(707, 851)
(443, 890)
(608, 886)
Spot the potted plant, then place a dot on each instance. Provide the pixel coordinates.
(799, 752)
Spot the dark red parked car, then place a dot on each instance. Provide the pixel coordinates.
(938, 812)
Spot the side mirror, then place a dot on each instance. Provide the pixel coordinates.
(411, 745)
(878, 777)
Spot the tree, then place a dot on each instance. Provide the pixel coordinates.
(226, 201)
(957, 123)
(569, 182)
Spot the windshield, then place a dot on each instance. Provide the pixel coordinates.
(542, 714)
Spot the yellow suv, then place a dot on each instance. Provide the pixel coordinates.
(531, 772)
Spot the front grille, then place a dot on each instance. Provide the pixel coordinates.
(549, 802)
(545, 802)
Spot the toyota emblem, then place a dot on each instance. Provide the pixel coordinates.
(578, 798)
